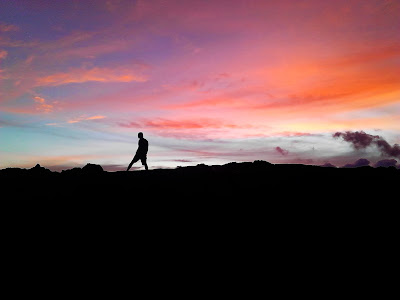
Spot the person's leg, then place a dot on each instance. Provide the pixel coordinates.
(135, 159)
(144, 162)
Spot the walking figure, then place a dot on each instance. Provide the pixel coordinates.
(141, 152)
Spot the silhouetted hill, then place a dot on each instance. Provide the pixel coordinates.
(295, 211)
(246, 181)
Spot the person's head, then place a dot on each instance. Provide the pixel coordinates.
(140, 135)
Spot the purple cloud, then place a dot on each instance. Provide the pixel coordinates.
(359, 139)
(388, 149)
(362, 140)
(282, 151)
(328, 165)
(362, 162)
(386, 163)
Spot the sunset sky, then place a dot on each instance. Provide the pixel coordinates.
(205, 81)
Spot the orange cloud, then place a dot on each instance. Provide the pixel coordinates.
(94, 74)
(8, 27)
(305, 86)
(42, 105)
(95, 118)
(367, 56)
(183, 124)
(3, 54)
(87, 51)
(84, 118)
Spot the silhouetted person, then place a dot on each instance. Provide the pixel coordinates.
(141, 152)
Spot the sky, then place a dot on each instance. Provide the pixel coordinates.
(205, 81)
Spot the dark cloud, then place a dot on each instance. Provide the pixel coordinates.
(388, 149)
(362, 140)
(183, 160)
(386, 163)
(282, 151)
(328, 165)
(359, 139)
(362, 162)
(303, 161)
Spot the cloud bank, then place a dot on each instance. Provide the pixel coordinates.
(362, 140)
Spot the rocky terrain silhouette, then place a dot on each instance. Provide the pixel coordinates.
(291, 210)
(246, 181)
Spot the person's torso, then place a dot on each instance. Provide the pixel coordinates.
(143, 146)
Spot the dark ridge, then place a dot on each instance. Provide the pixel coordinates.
(246, 181)
(290, 208)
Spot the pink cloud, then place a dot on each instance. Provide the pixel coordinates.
(209, 102)
(183, 124)
(290, 133)
(196, 128)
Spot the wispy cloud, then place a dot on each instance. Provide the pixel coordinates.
(42, 105)
(3, 54)
(199, 123)
(85, 118)
(98, 74)
(195, 128)
(8, 27)
(76, 120)
(185, 124)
